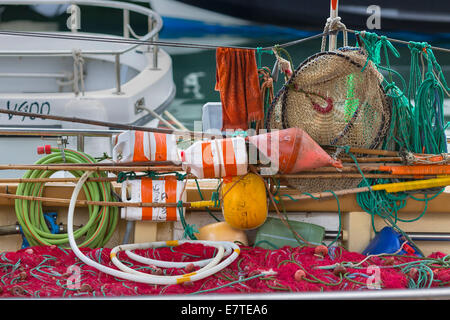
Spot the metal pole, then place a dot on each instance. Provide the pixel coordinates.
(10, 229)
(432, 293)
(333, 15)
(150, 28)
(118, 80)
(126, 22)
(80, 142)
(415, 236)
(155, 51)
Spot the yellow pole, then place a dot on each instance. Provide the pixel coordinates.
(413, 185)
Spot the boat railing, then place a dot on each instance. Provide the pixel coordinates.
(79, 134)
(154, 25)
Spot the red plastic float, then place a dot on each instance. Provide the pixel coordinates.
(293, 150)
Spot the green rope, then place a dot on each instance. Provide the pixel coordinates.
(259, 53)
(315, 198)
(399, 136)
(380, 203)
(267, 242)
(214, 197)
(229, 284)
(189, 230)
(105, 156)
(123, 176)
(131, 175)
(417, 127)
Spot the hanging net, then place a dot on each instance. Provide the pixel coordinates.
(338, 99)
(53, 272)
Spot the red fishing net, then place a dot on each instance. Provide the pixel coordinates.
(55, 272)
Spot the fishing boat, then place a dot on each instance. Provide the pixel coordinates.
(68, 72)
(335, 187)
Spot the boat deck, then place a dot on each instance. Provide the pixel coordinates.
(356, 234)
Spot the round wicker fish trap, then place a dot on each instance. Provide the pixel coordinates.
(338, 99)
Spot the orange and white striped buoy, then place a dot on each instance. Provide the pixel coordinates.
(216, 158)
(137, 146)
(163, 190)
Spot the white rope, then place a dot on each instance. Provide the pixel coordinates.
(334, 25)
(212, 266)
(284, 65)
(78, 70)
(411, 159)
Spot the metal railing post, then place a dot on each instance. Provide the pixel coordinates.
(80, 142)
(155, 51)
(118, 80)
(126, 22)
(150, 28)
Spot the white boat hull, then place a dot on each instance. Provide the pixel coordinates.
(35, 84)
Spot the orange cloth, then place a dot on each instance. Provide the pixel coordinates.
(238, 83)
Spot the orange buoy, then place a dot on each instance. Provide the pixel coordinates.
(292, 150)
(221, 231)
(299, 275)
(216, 158)
(137, 146)
(163, 190)
(244, 201)
(321, 251)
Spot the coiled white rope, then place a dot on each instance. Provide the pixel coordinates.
(210, 266)
(166, 264)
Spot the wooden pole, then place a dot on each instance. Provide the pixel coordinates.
(347, 176)
(323, 195)
(99, 167)
(62, 180)
(189, 176)
(378, 159)
(92, 203)
(107, 124)
(156, 164)
(368, 151)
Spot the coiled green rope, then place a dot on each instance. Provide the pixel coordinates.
(102, 221)
(416, 124)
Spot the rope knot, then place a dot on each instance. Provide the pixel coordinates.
(346, 149)
(122, 176)
(286, 66)
(215, 197)
(332, 26)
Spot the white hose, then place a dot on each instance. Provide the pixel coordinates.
(211, 268)
(123, 267)
(169, 264)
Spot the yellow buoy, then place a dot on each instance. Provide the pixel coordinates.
(244, 201)
(221, 231)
